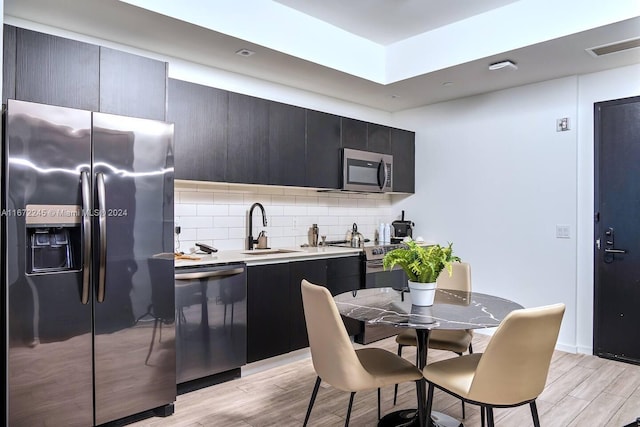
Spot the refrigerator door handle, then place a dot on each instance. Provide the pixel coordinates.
(102, 225)
(86, 234)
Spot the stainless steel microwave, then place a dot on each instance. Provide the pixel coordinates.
(366, 171)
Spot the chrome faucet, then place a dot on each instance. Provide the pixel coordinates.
(250, 240)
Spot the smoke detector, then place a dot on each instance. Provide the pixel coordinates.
(245, 52)
(508, 64)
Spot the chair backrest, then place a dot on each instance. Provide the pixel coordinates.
(332, 353)
(515, 364)
(459, 280)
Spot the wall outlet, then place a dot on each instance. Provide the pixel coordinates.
(563, 231)
(562, 124)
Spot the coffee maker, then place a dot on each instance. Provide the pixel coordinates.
(401, 229)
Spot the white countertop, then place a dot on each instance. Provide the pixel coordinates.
(260, 258)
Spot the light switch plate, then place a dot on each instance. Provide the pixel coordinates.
(563, 231)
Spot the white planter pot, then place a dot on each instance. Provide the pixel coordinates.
(422, 294)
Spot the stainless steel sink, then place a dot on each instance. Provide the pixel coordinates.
(270, 251)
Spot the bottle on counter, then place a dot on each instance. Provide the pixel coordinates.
(313, 235)
(381, 234)
(387, 234)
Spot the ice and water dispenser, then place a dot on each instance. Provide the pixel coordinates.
(53, 238)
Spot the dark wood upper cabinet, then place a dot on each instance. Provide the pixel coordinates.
(57, 71)
(248, 140)
(8, 63)
(404, 163)
(323, 162)
(200, 132)
(286, 144)
(132, 85)
(378, 138)
(354, 134)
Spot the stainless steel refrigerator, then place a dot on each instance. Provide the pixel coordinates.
(87, 232)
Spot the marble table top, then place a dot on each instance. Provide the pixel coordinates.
(451, 309)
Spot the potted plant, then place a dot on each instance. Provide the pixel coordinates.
(423, 265)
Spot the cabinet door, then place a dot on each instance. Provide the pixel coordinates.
(343, 275)
(200, 132)
(248, 147)
(323, 162)
(56, 71)
(132, 85)
(268, 318)
(315, 271)
(404, 162)
(8, 63)
(378, 138)
(354, 134)
(286, 144)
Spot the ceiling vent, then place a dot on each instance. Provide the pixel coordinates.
(614, 47)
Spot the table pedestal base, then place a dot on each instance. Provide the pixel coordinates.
(409, 418)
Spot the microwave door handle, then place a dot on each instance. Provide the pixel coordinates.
(382, 178)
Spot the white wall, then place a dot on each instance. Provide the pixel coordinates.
(495, 178)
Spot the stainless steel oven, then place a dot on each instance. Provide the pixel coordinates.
(366, 171)
(375, 276)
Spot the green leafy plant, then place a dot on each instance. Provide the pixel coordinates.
(422, 264)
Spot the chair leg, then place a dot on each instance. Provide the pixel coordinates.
(395, 388)
(378, 403)
(490, 417)
(313, 399)
(421, 404)
(482, 416)
(464, 415)
(470, 349)
(346, 422)
(534, 414)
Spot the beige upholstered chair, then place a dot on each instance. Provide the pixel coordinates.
(457, 341)
(513, 369)
(338, 363)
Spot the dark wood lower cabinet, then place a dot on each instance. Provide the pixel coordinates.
(267, 311)
(275, 317)
(315, 271)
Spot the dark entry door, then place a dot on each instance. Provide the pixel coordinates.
(617, 229)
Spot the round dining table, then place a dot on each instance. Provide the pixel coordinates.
(451, 310)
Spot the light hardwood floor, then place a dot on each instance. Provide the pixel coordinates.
(581, 390)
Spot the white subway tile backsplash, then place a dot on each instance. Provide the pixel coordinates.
(229, 198)
(196, 197)
(230, 221)
(185, 209)
(216, 214)
(196, 222)
(213, 210)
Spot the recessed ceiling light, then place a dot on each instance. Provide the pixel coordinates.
(245, 52)
(447, 84)
(503, 64)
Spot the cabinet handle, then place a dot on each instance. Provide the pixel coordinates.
(206, 274)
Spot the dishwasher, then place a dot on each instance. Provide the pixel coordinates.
(211, 324)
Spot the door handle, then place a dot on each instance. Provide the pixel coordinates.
(102, 231)
(615, 251)
(86, 235)
(382, 167)
(207, 274)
